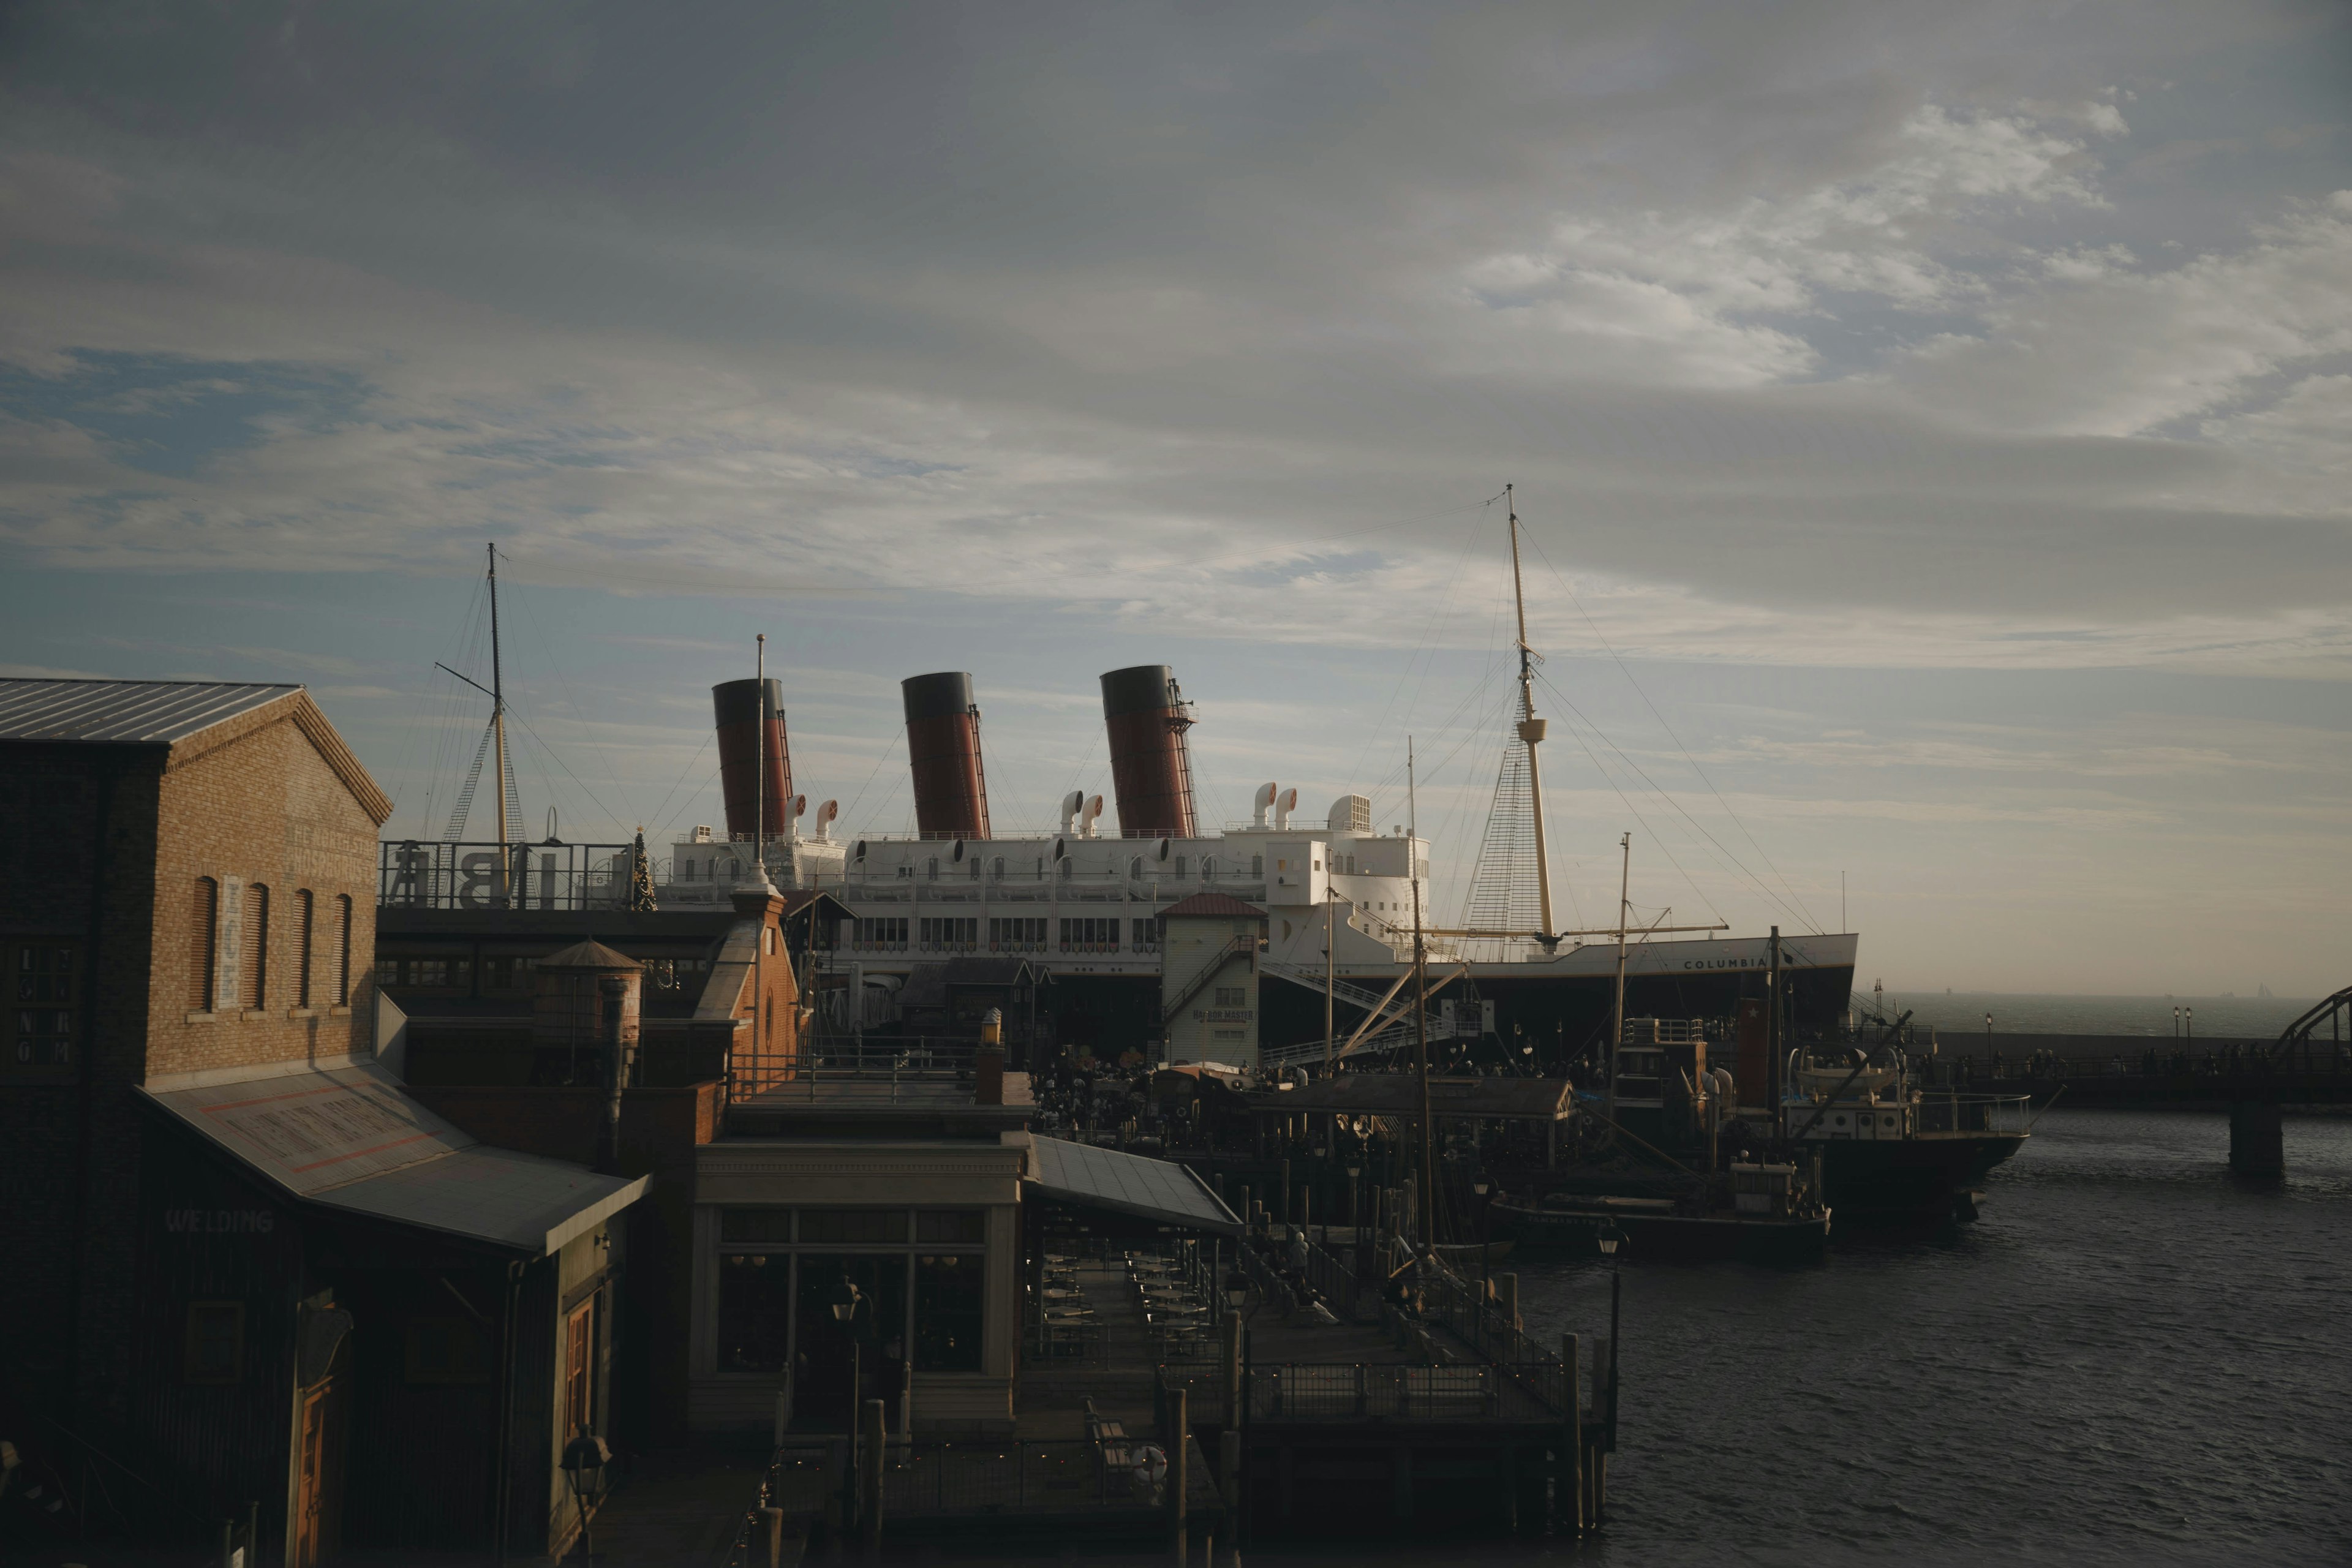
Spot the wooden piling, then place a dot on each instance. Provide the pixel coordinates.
(1568, 1488)
(1179, 1447)
(870, 1457)
(1233, 1370)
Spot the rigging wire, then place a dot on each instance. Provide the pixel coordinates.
(564, 680)
(1655, 838)
(1799, 903)
(1469, 540)
(706, 737)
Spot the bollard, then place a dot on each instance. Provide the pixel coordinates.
(772, 1525)
(2257, 1138)
(871, 1453)
(1179, 1445)
(1233, 1359)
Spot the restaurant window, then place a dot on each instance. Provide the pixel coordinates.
(302, 902)
(203, 944)
(445, 1350)
(951, 1309)
(755, 1225)
(754, 1311)
(214, 1350)
(253, 982)
(935, 1228)
(837, 1226)
(39, 1022)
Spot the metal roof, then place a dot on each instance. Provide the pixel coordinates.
(125, 712)
(1212, 905)
(349, 1138)
(1158, 1189)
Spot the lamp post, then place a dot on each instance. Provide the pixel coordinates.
(1989, 1073)
(844, 1313)
(1612, 1240)
(584, 1458)
(1485, 1190)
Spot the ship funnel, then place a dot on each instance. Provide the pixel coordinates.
(943, 750)
(735, 704)
(1150, 773)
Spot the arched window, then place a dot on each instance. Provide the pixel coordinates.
(253, 982)
(934, 868)
(343, 950)
(975, 868)
(302, 948)
(1207, 868)
(1069, 867)
(1257, 865)
(1179, 867)
(996, 869)
(203, 944)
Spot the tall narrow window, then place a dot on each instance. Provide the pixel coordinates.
(343, 950)
(302, 948)
(253, 984)
(204, 943)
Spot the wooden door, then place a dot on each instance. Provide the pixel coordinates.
(310, 1492)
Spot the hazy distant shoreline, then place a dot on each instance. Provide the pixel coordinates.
(2028, 1013)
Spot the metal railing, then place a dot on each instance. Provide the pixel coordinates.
(1059, 1475)
(1358, 1392)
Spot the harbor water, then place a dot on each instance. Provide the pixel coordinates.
(2132, 1358)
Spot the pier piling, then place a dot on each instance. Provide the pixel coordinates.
(2257, 1138)
(1568, 1488)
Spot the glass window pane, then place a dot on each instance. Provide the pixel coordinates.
(876, 1327)
(754, 1303)
(755, 1225)
(949, 1310)
(854, 1225)
(936, 1226)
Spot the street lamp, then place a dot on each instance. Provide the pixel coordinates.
(584, 1458)
(1485, 1190)
(1611, 1239)
(846, 1302)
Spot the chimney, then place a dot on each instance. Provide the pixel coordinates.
(943, 753)
(988, 1062)
(736, 706)
(1150, 772)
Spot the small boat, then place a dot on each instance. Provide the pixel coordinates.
(1771, 1220)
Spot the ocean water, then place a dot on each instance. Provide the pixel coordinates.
(2133, 1358)
(2216, 1017)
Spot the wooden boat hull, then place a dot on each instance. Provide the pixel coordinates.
(1652, 1233)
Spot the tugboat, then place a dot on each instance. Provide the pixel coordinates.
(1892, 1133)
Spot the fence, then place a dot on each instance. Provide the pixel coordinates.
(1358, 1392)
(1458, 1306)
(1061, 1476)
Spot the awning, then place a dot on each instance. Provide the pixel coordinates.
(347, 1137)
(1156, 1190)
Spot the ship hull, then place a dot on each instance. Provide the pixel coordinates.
(1931, 1179)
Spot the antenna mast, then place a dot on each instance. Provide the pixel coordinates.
(498, 727)
(1421, 1005)
(1617, 1013)
(1531, 728)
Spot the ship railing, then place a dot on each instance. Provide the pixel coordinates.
(1355, 1390)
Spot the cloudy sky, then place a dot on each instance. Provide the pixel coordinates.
(1932, 421)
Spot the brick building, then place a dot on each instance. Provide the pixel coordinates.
(241, 1261)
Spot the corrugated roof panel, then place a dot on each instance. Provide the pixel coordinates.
(493, 1195)
(134, 712)
(1158, 1189)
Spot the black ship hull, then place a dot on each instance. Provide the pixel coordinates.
(1650, 1235)
(1926, 1180)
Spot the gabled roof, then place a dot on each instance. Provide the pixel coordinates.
(134, 712)
(1214, 906)
(188, 717)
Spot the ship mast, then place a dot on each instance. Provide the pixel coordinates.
(1531, 728)
(499, 727)
(1617, 1013)
(1421, 1006)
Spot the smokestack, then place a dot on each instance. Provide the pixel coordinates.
(943, 749)
(736, 705)
(1150, 772)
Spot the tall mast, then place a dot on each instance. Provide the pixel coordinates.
(1330, 956)
(1421, 1006)
(498, 725)
(1531, 728)
(759, 870)
(1617, 1013)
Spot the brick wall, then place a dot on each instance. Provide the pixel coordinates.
(264, 809)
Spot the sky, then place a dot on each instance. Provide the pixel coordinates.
(1930, 423)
